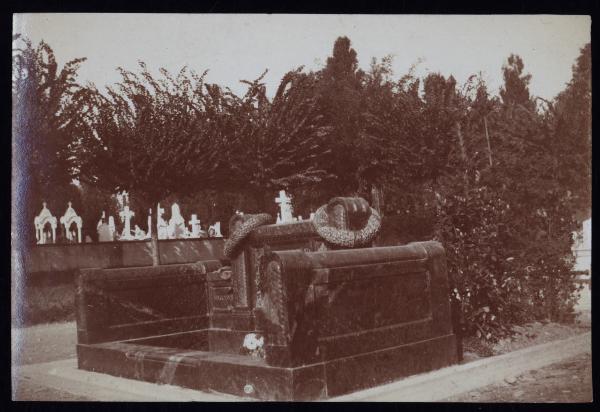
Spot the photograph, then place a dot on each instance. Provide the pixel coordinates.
(211, 207)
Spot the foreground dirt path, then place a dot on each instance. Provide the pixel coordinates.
(23, 390)
(37, 344)
(568, 381)
(43, 343)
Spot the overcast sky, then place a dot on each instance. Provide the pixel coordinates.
(235, 47)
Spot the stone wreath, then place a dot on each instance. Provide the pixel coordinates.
(345, 237)
(239, 235)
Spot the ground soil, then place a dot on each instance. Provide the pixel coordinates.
(530, 334)
(569, 381)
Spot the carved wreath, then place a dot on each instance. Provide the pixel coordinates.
(345, 237)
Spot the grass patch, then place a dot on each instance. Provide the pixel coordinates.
(47, 304)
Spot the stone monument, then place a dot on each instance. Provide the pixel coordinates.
(298, 311)
(162, 228)
(177, 227)
(112, 228)
(215, 230)
(40, 222)
(69, 218)
(149, 235)
(126, 216)
(195, 224)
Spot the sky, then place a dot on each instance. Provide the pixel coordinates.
(237, 47)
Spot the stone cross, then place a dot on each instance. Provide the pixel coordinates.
(126, 216)
(40, 222)
(285, 207)
(195, 223)
(68, 219)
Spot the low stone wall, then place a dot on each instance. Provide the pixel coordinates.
(70, 258)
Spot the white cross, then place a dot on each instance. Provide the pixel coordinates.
(195, 225)
(126, 216)
(285, 207)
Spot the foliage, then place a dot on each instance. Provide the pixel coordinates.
(279, 143)
(43, 131)
(155, 133)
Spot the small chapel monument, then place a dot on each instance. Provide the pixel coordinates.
(68, 219)
(40, 222)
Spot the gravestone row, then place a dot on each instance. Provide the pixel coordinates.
(46, 224)
(175, 228)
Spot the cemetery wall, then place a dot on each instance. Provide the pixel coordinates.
(56, 259)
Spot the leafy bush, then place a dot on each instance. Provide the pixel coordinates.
(497, 280)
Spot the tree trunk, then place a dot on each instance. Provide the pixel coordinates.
(463, 153)
(487, 137)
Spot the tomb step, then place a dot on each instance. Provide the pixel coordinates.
(167, 354)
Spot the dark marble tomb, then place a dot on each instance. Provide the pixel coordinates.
(288, 316)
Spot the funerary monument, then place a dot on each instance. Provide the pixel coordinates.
(304, 310)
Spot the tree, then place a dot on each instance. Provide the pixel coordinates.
(341, 101)
(278, 143)
(156, 134)
(516, 84)
(571, 120)
(44, 103)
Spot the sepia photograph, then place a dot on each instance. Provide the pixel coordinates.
(301, 207)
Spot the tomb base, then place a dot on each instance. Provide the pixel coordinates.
(183, 359)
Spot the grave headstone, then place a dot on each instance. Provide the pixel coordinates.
(112, 228)
(215, 230)
(40, 222)
(149, 224)
(177, 227)
(105, 234)
(162, 228)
